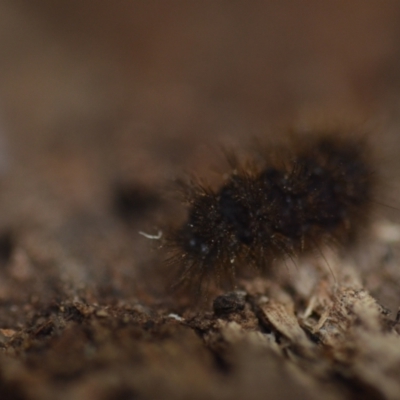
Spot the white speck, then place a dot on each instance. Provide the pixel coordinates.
(176, 317)
(153, 237)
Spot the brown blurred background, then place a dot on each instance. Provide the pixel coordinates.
(95, 93)
(176, 69)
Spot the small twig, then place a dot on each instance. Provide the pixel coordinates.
(397, 319)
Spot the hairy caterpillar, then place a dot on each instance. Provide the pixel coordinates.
(316, 193)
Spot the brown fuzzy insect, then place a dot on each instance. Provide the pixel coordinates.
(319, 194)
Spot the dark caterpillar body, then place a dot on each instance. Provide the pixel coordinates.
(320, 195)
